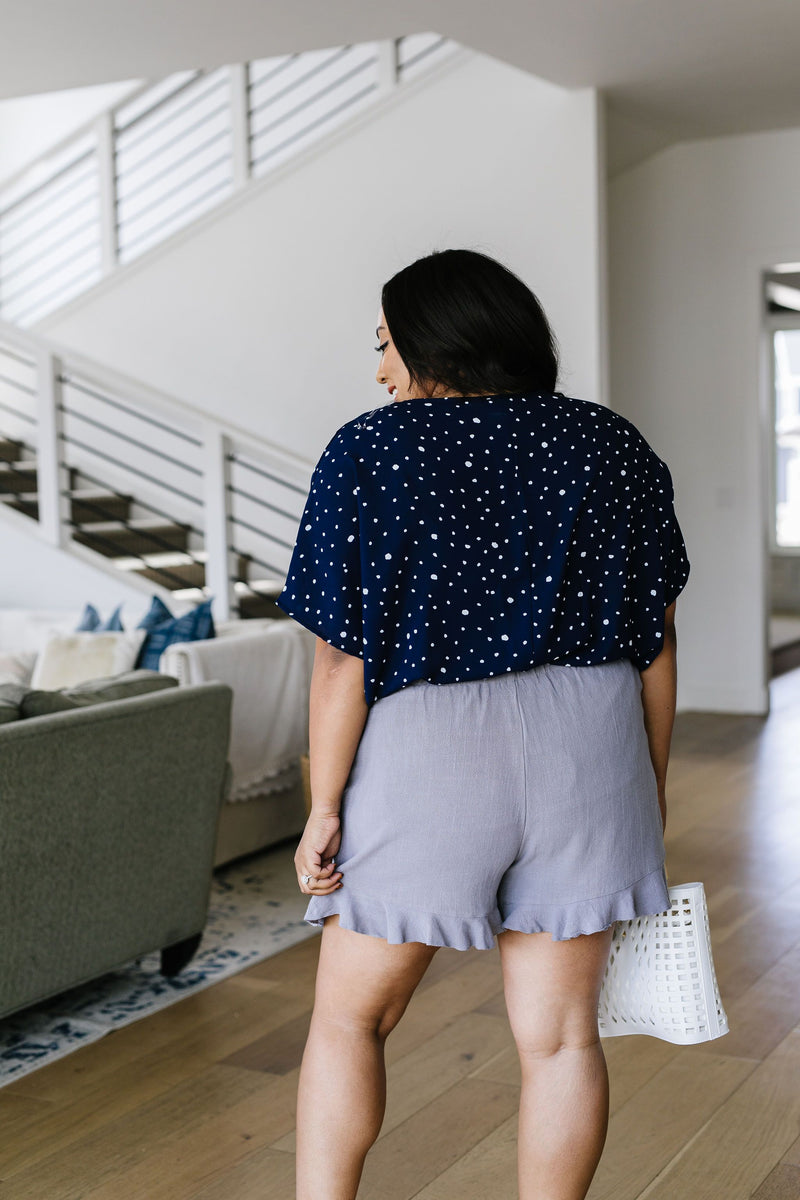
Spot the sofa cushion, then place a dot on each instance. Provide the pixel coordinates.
(161, 631)
(39, 703)
(71, 658)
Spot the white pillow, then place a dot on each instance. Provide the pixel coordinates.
(70, 658)
(17, 668)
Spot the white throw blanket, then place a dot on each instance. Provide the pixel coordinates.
(270, 673)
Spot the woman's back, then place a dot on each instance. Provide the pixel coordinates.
(460, 537)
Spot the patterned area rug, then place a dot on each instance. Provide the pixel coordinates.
(256, 909)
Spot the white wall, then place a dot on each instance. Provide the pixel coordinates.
(39, 576)
(32, 125)
(690, 230)
(266, 314)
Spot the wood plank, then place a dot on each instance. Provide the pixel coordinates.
(149, 1080)
(747, 1136)
(278, 1051)
(489, 1168)
(792, 1155)
(19, 1109)
(104, 1153)
(295, 966)
(431, 1009)
(632, 1062)
(783, 1183)
(207, 1150)
(763, 1015)
(753, 945)
(651, 1128)
(435, 1137)
(65, 1080)
(266, 1175)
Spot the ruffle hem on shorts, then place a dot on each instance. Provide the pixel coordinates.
(373, 915)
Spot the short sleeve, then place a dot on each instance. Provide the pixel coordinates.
(323, 583)
(674, 557)
(657, 565)
(677, 564)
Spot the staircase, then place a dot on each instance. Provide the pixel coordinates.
(197, 508)
(102, 521)
(131, 480)
(156, 162)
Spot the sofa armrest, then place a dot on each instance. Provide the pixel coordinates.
(108, 822)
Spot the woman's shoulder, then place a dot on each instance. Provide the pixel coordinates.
(618, 428)
(397, 420)
(361, 430)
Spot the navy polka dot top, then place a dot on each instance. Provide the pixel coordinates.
(457, 538)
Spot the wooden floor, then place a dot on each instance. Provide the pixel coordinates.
(197, 1101)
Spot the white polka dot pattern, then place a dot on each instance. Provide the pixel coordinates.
(457, 538)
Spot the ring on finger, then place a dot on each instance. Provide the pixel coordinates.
(307, 879)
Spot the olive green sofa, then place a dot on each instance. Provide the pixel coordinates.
(108, 821)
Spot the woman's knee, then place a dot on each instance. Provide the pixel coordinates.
(536, 1039)
(552, 990)
(363, 983)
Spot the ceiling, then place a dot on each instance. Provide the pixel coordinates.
(672, 69)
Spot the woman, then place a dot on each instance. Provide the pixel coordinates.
(491, 570)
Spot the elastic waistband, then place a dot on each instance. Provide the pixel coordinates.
(538, 668)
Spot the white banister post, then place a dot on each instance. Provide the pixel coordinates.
(387, 64)
(240, 123)
(220, 560)
(107, 182)
(52, 479)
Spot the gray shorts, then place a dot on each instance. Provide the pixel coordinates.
(524, 801)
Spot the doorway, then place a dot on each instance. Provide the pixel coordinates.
(782, 318)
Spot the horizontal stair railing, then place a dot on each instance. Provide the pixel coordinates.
(137, 482)
(165, 155)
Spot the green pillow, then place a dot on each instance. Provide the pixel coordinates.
(38, 703)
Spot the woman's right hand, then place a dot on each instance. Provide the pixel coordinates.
(314, 855)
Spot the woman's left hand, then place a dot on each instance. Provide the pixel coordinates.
(315, 855)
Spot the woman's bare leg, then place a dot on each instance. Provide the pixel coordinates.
(363, 988)
(552, 990)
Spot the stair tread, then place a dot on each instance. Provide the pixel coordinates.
(172, 575)
(137, 524)
(264, 587)
(166, 558)
(94, 494)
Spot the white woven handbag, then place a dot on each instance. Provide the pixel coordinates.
(660, 977)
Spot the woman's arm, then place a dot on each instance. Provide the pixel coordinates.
(659, 688)
(336, 716)
(337, 712)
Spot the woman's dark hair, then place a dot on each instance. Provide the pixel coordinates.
(461, 320)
